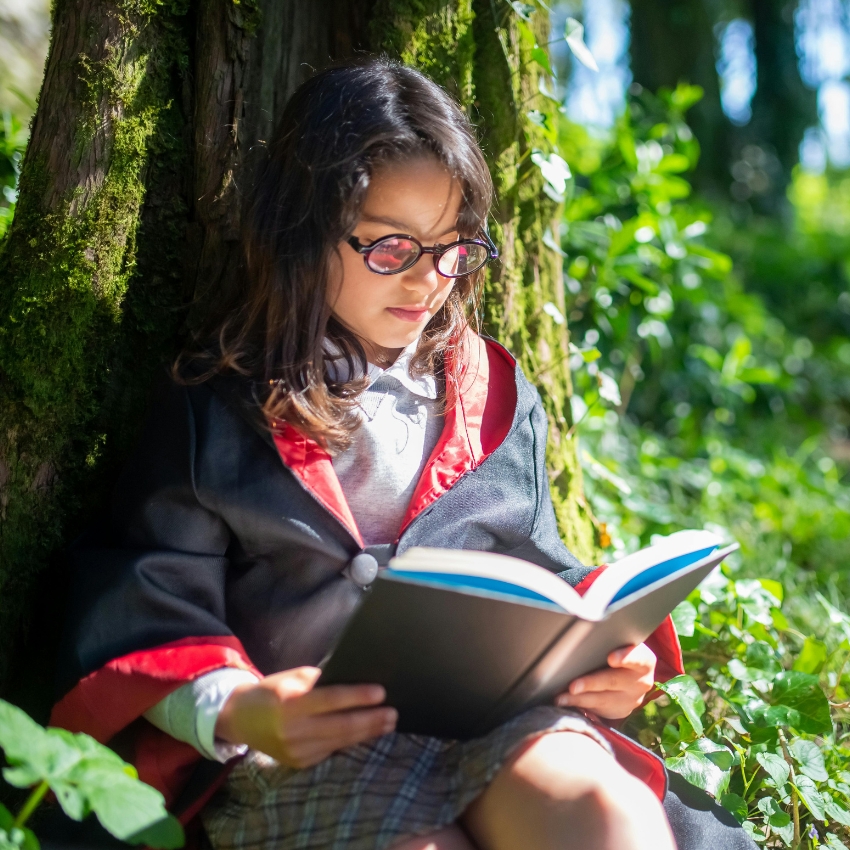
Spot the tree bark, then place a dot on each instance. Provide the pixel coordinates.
(148, 130)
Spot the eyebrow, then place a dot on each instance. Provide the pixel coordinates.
(379, 219)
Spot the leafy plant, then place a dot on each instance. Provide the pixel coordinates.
(86, 777)
(13, 138)
(761, 721)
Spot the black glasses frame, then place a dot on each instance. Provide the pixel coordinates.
(438, 251)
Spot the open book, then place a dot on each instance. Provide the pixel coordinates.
(464, 640)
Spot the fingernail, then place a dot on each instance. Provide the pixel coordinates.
(390, 720)
(377, 694)
(577, 688)
(564, 699)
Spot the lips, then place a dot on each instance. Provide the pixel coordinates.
(415, 314)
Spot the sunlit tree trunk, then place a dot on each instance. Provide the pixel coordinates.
(147, 133)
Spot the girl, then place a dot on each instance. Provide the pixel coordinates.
(341, 411)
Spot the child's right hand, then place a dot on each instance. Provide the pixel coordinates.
(285, 717)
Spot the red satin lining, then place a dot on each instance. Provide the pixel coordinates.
(636, 760)
(312, 464)
(109, 699)
(478, 416)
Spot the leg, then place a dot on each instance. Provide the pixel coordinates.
(698, 822)
(565, 791)
(450, 838)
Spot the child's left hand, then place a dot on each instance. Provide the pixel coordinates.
(617, 692)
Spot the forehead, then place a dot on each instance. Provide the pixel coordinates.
(418, 196)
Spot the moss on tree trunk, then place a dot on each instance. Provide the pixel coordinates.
(130, 205)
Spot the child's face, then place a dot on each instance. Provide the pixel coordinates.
(418, 198)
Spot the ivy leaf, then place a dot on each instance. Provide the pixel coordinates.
(574, 34)
(684, 616)
(685, 692)
(802, 693)
(812, 656)
(810, 757)
(837, 812)
(736, 805)
(541, 57)
(608, 389)
(704, 764)
(556, 173)
(776, 816)
(775, 766)
(810, 795)
(524, 10)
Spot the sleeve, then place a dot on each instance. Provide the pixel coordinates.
(190, 713)
(147, 612)
(544, 545)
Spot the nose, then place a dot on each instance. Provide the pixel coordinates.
(423, 276)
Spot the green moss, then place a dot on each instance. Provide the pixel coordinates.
(432, 35)
(91, 305)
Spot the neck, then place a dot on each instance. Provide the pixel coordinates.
(379, 356)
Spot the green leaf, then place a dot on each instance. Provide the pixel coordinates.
(524, 10)
(7, 819)
(812, 656)
(541, 57)
(776, 816)
(129, 809)
(833, 842)
(698, 763)
(574, 34)
(775, 766)
(837, 812)
(736, 805)
(684, 615)
(801, 692)
(810, 757)
(810, 795)
(555, 171)
(642, 282)
(685, 692)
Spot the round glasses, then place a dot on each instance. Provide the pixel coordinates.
(397, 252)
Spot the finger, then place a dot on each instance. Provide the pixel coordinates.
(639, 657)
(331, 698)
(610, 704)
(603, 680)
(343, 729)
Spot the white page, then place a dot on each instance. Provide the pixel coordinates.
(682, 543)
(520, 574)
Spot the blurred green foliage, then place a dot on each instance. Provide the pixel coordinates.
(712, 375)
(13, 139)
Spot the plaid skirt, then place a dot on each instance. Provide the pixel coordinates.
(373, 795)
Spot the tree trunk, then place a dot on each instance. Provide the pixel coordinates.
(146, 137)
(672, 41)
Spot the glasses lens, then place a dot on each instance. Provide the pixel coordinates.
(392, 255)
(462, 259)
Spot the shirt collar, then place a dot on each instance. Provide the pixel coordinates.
(422, 385)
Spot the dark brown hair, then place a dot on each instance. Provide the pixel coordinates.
(337, 128)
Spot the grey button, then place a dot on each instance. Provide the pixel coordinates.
(363, 569)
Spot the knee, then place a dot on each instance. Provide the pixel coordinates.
(575, 771)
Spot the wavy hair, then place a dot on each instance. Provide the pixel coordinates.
(336, 130)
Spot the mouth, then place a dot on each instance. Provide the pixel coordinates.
(409, 314)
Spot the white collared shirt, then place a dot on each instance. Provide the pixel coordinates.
(401, 423)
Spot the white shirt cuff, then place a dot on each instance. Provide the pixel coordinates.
(190, 713)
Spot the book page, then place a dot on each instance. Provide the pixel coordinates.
(486, 572)
(634, 572)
